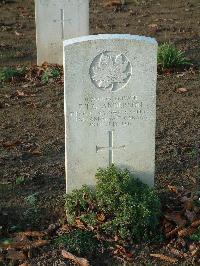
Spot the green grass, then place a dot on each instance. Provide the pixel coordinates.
(196, 236)
(33, 212)
(170, 57)
(50, 73)
(9, 73)
(20, 180)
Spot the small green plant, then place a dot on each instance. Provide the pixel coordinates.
(170, 57)
(78, 202)
(32, 199)
(118, 205)
(79, 242)
(8, 73)
(196, 236)
(6, 241)
(50, 73)
(20, 180)
(148, 264)
(32, 212)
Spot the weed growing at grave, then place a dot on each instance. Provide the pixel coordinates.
(32, 212)
(20, 180)
(81, 197)
(80, 243)
(31, 199)
(119, 206)
(148, 264)
(50, 73)
(170, 57)
(9, 73)
(196, 236)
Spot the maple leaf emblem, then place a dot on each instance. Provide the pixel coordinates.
(111, 72)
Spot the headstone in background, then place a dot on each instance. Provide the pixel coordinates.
(110, 106)
(58, 20)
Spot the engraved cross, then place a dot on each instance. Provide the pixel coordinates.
(62, 21)
(110, 148)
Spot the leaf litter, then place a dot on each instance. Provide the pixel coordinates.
(177, 227)
(32, 75)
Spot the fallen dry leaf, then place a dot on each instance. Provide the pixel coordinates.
(121, 252)
(20, 239)
(18, 33)
(26, 85)
(32, 234)
(181, 74)
(165, 258)
(39, 243)
(60, 231)
(113, 3)
(45, 65)
(32, 104)
(116, 238)
(80, 224)
(181, 90)
(35, 152)
(119, 249)
(20, 94)
(91, 206)
(173, 232)
(11, 144)
(194, 252)
(192, 247)
(195, 223)
(15, 255)
(152, 25)
(101, 217)
(168, 72)
(25, 14)
(175, 217)
(177, 253)
(153, 28)
(172, 189)
(188, 204)
(78, 261)
(186, 231)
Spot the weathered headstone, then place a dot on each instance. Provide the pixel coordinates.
(110, 106)
(58, 20)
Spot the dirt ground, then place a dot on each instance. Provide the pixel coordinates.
(35, 124)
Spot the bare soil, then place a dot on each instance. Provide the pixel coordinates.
(32, 127)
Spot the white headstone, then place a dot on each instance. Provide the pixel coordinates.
(110, 106)
(58, 20)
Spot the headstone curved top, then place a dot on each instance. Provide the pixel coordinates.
(110, 106)
(58, 20)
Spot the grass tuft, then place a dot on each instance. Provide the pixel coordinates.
(50, 73)
(196, 236)
(9, 73)
(170, 57)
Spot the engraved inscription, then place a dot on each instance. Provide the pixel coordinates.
(110, 71)
(62, 21)
(112, 111)
(110, 148)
